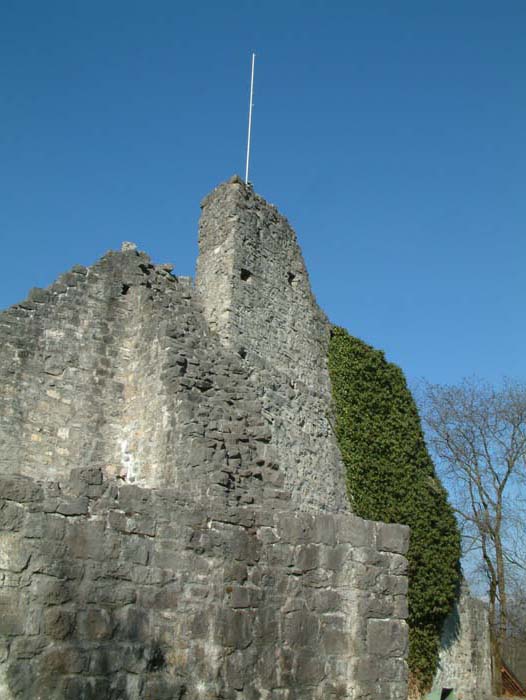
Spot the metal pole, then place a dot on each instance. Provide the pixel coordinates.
(250, 115)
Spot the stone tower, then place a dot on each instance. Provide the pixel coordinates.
(256, 297)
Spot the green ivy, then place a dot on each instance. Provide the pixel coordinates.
(390, 477)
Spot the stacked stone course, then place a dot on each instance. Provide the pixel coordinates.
(124, 592)
(256, 297)
(172, 500)
(465, 657)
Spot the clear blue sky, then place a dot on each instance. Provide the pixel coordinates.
(391, 134)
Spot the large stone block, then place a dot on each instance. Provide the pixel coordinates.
(387, 637)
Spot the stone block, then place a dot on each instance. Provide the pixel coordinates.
(12, 615)
(95, 624)
(48, 590)
(336, 558)
(133, 624)
(45, 526)
(168, 598)
(398, 565)
(53, 559)
(137, 550)
(164, 689)
(166, 556)
(310, 669)
(400, 608)
(28, 647)
(245, 547)
(92, 476)
(61, 660)
(324, 529)
(236, 628)
(59, 623)
(20, 489)
(293, 528)
(133, 499)
(392, 538)
(372, 605)
(327, 600)
(136, 524)
(85, 688)
(14, 552)
(11, 516)
(387, 638)
(89, 540)
(301, 629)
(354, 531)
(110, 594)
(307, 557)
(335, 642)
(21, 680)
(243, 596)
(76, 506)
(388, 584)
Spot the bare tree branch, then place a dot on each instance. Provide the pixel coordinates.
(477, 434)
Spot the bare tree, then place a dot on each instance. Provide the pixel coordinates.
(478, 436)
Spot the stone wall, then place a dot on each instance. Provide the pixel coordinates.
(118, 370)
(112, 591)
(514, 654)
(173, 520)
(465, 656)
(256, 297)
(118, 366)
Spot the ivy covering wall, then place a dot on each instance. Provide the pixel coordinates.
(391, 477)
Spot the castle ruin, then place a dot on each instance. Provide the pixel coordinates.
(174, 520)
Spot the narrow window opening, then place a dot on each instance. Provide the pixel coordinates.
(292, 279)
(245, 274)
(125, 288)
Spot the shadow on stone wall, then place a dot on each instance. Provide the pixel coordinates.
(121, 593)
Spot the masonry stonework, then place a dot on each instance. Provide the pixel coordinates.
(256, 297)
(121, 592)
(465, 658)
(172, 500)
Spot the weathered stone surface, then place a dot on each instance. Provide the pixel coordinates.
(256, 296)
(465, 656)
(173, 520)
(210, 599)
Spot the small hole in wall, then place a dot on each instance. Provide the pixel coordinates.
(125, 288)
(156, 660)
(292, 279)
(245, 274)
(242, 353)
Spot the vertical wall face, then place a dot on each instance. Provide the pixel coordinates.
(116, 369)
(465, 656)
(81, 375)
(55, 364)
(174, 562)
(142, 594)
(256, 296)
(255, 287)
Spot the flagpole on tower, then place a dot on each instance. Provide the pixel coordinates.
(250, 115)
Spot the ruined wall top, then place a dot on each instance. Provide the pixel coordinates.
(175, 560)
(256, 297)
(126, 367)
(254, 284)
